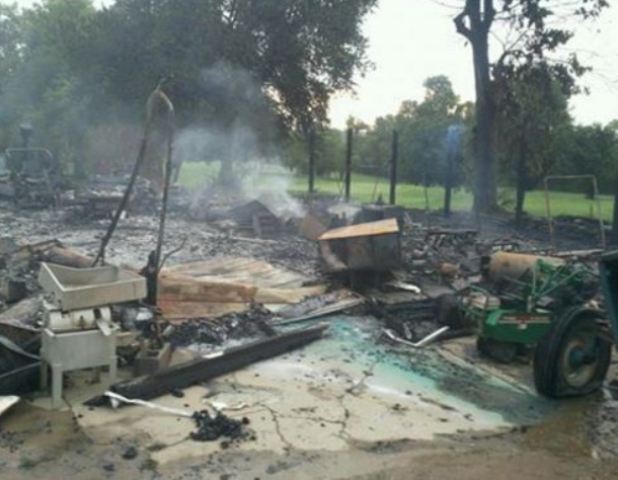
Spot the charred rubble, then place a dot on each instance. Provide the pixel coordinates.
(411, 270)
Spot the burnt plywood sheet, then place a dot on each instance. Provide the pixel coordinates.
(382, 227)
(239, 270)
(218, 286)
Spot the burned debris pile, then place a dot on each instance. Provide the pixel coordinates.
(239, 285)
(252, 323)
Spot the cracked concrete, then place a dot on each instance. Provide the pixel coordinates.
(332, 396)
(343, 407)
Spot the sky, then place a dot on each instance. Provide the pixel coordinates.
(410, 40)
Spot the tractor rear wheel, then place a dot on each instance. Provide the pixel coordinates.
(572, 359)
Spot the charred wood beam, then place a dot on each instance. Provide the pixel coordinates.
(393, 169)
(311, 160)
(348, 164)
(214, 365)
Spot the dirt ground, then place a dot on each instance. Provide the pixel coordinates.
(50, 445)
(574, 440)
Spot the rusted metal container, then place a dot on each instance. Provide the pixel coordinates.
(509, 265)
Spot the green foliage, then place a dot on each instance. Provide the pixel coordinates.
(532, 118)
(270, 66)
(329, 152)
(591, 149)
(422, 131)
(40, 85)
(534, 26)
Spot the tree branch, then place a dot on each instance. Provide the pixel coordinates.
(460, 22)
(489, 13)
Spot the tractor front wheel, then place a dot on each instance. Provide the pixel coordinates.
(572, 359)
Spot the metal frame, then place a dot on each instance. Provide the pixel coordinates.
(550, 220)
(49, 155)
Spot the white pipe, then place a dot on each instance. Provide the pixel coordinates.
(421, 343)
(119, 398)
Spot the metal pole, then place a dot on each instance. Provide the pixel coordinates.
(448, 181)
(311, 160)
(550, 221)
(426, 193)
(394, 158)
(156, 94)
(348, 165)
(599, 213)
(168, 175)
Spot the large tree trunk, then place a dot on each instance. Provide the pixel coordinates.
(474, 23)
(485, 194)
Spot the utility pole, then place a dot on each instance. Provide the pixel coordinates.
(393, 172)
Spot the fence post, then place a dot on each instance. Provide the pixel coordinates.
(348, 165)
(311, 160)
(394, 159)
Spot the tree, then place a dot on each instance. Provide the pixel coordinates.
(40, 85)
(11, 35)
(535, 37)
(479, 21)
(231, 65)
(532, 113)
(422, 128)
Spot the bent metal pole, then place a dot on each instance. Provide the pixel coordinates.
(156, 96)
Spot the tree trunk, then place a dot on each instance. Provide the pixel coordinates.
(521, 181)
(485, 188)
(226, 172)
(613, 240)
(474, 23)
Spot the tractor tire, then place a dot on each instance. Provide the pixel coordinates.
(572, 359)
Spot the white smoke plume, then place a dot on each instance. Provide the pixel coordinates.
(241, 131)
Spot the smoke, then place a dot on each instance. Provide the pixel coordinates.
(239, 139)
(258, 176)
(269, 183)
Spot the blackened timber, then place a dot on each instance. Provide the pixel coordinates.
(311, 160)
(393, 170)
(206, 368)
(348, 165)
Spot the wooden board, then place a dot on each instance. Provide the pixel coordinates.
(381, 227)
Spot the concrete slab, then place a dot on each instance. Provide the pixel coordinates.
(333, 395)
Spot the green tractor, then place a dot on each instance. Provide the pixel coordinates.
(545, 306)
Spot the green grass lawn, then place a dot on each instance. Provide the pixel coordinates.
(366, 188)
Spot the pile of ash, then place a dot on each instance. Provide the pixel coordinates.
(211, 428)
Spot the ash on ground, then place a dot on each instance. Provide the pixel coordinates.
(213, 427)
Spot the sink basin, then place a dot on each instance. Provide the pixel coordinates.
(79, 288)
